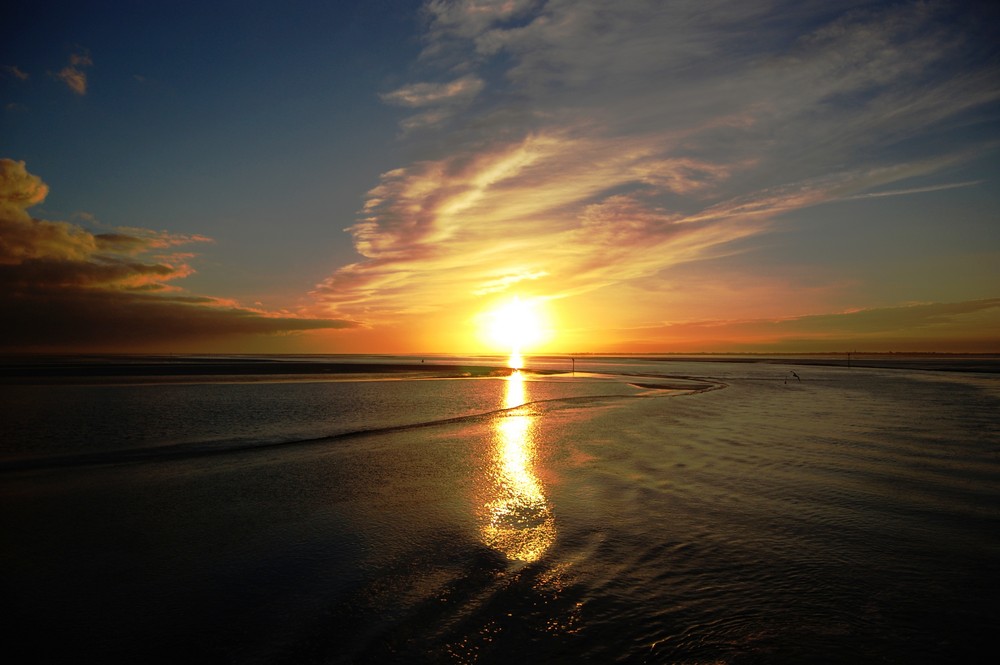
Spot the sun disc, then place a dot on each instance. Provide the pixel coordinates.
(515, 325)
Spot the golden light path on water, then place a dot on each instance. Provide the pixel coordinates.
(518, 521)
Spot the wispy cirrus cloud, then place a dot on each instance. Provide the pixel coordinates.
(426, 94)
(467, 221)
(440, 101)
(916, 190)
(62, 286)
(607, 143)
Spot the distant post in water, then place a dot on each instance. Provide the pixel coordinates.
(573, 360)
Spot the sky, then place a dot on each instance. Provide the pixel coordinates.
(384, 176)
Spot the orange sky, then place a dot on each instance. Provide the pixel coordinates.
(649, 180)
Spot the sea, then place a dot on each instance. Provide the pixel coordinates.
(347, 509)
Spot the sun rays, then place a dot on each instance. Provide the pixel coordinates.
(515, 326)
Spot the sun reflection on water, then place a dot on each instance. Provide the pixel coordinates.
(519, 522)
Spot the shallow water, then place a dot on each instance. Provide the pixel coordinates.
(850, 516)
(77, 419)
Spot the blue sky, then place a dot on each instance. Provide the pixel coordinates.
(379, 176)
(213, 113)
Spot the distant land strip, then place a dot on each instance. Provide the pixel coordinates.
(74, 368)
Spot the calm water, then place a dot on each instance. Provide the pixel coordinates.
(850, 516)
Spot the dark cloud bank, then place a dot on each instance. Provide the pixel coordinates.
(65, 288)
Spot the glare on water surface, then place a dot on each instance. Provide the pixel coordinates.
(518, 520)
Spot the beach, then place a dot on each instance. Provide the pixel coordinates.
(392, 510)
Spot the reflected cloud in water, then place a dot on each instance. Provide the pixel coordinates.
(518, 521)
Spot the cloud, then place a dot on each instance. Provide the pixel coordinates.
(577, 214)
(916, 190)
(425, 94)
(474, 221)
(971, 326)
(40, 318)
(452, 26)
(63, 287)
(73, 74)
(440, 100)
(503, 283)
(609, 143)
(891, 319)
(13, 71)
(28, 241)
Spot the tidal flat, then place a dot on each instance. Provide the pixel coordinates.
(637, 510)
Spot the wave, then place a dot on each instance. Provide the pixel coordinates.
(197, 449)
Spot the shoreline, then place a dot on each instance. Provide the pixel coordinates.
(20, 369)
(241, 368)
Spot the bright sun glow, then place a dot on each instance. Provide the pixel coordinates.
(516, 326)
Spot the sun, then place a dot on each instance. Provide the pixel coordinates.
(514, 326)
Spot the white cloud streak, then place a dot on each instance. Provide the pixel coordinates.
(915, 190)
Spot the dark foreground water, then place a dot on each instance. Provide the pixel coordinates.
(850, 516)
